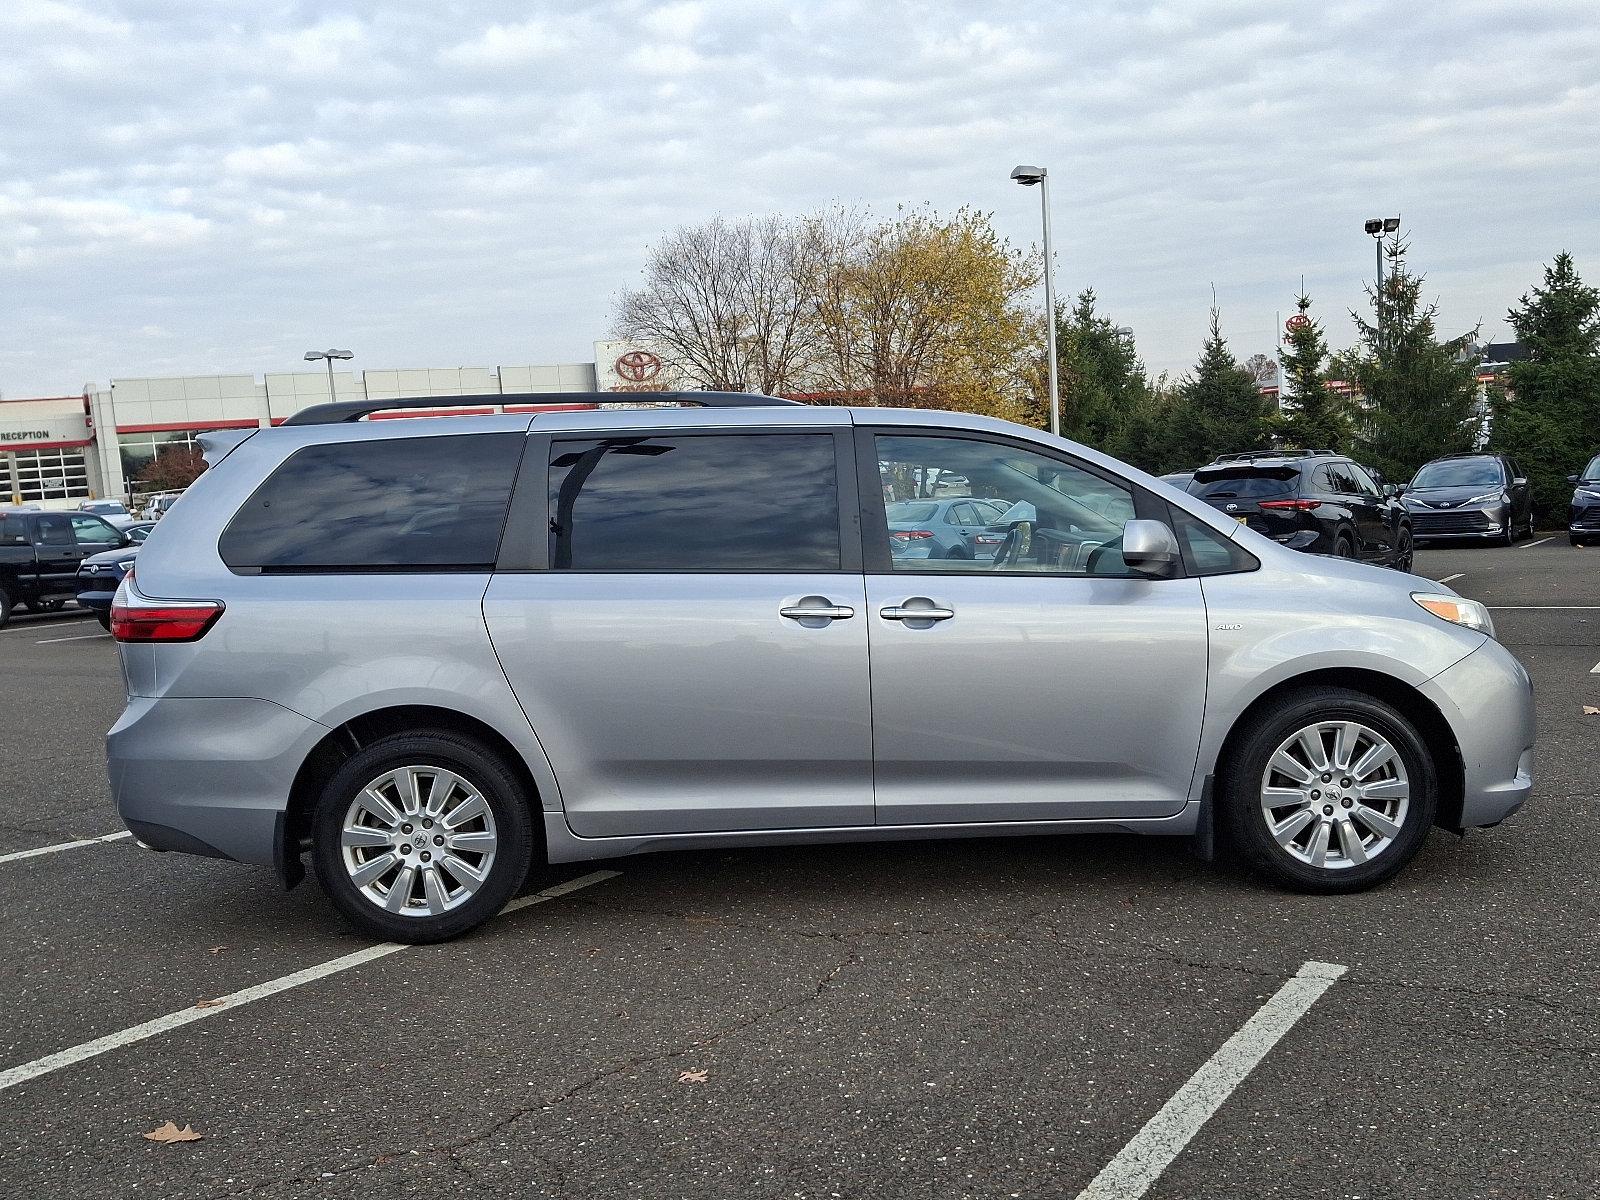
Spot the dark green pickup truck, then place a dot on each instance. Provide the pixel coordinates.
(40, 553)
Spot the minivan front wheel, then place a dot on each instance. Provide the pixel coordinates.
(1333, 791)
(421, 837)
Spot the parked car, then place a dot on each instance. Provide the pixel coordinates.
(1311, 500)
(114, 512)
(1179, 479)
(1484, 496)
(1583, 523)
(40, 553)
(156, 507)
(957, 527)
(99, 574)
(637, 634)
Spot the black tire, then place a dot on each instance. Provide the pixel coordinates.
(5, 607)
(1405, 553)
(1508, 538)
(104, 618)
(1343, 547)
(475, 764)
(1239, 790)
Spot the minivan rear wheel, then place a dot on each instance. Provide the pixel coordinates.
(420, 837)
(1331, 791)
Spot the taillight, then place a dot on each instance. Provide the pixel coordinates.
(906, 535)
(137, 618)
(1301, 505)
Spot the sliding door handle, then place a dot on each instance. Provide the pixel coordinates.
(903, 612)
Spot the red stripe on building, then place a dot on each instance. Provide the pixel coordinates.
(8, 447)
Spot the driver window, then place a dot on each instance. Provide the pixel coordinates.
(1054, 518)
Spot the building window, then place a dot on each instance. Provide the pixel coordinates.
(48, 475)
(139, 450)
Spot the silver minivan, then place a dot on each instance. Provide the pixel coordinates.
(430, 653)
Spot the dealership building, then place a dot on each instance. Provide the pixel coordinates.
(58, 451)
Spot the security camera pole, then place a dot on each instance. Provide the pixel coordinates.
(1027, 177)
(329, 355)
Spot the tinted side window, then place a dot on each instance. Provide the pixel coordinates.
(13, 531)
(55, 530)
(714, 502)
(1364, 482)
(1206, 551)
(91, 531)
(430, 503)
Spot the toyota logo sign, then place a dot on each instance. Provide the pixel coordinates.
(638, 366)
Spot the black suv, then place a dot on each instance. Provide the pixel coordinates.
(1311, 500)
(1583, 525)
(1483, 496)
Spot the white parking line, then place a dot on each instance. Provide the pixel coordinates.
(1595, 670)
(30, 626)
(1530, 545)
(75, 1054)
(1448, 578)
(82, 637)
(60, 846)
(1139, 1164)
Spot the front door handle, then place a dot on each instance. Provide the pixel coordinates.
(824, 611)
(926, 611)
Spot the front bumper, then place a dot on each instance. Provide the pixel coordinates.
(1465, 523)
(1584, 520)
(99, 602)
(207, 776)
(1487, 698)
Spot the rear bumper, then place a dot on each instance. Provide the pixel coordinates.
(207, 776)
(1488, 699)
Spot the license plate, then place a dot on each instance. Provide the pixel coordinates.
(1242, 520)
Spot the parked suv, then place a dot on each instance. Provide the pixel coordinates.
(1484, 496)
(430, 652)
(40, 553)
(1311, 500)
(1583, 524)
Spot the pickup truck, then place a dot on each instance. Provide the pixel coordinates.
(40, 553)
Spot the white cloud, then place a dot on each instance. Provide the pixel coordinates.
(434, 188)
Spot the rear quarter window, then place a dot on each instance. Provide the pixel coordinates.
(428, 503)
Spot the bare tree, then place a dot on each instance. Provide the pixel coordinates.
(727, 300)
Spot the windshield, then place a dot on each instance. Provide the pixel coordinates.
(1592, 471)
(1460, 472)
(911, 512)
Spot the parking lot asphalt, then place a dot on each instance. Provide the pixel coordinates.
(987, 1018)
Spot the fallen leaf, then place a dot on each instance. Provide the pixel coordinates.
(209, 1003)
(687, 1077)
(1590, 710)
(171, 1133)
(215, 949)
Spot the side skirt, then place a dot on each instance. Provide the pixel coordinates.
(565, 846)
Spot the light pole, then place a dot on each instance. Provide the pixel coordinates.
(1377, 227)
(1027, 177)
(329, 356)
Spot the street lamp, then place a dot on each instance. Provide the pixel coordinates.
(1377, 227)
(329, 356)
(1027, 177)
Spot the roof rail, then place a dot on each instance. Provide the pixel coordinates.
(1293, 452)
(353, 410)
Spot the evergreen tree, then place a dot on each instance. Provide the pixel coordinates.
(1420, 393)
(1221, 409)
(1103, 383)
(1548, 419)
(1313, 415)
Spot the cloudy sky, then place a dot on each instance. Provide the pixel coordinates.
(215, 187)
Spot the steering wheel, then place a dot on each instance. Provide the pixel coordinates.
(1017, 546)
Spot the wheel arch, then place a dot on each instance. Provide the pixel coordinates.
(1431, 725)
(358, 732)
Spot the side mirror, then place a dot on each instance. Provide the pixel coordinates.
(1520, 481)
(1390, 491)
(1572, 479)
(1150, 548)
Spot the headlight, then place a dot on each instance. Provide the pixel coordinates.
(1589, 493)
(1458, 611)
(1488, 498)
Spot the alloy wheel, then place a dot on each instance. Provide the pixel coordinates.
(418, 841)
(1335, 794)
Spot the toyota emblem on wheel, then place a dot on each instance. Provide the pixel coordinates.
(637, 366)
